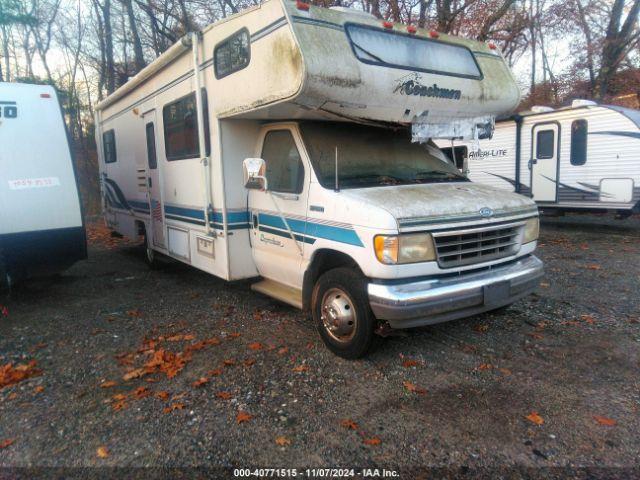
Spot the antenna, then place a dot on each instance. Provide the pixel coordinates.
(337, 183)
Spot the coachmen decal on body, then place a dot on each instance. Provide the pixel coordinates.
(411, 85)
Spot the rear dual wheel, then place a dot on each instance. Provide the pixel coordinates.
(342, 314)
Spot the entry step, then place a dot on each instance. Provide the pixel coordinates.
(279, 291)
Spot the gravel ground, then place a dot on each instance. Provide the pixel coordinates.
(551, 381)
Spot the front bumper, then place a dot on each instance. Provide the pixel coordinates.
(440, 299)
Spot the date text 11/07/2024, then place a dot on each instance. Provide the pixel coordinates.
(316, 472)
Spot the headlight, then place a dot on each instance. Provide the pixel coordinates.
(409, 248)
(531, 230)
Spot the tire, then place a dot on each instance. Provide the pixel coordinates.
(348, 324)
(150, 255)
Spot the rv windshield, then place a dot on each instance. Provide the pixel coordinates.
(372, 156)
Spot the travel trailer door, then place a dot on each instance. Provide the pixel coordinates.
(280, 211)
(154, 186)
(544, 161)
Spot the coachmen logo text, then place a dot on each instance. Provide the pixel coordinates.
(411, 85)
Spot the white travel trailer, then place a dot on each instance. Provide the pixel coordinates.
(288, 156)
(586, 156)
(41, 223)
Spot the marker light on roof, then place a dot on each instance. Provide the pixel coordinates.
(492, 46)
(434, 34)
(411, 29)
(387, 24)
(302, 5)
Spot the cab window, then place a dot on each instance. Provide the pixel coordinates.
(285, 172)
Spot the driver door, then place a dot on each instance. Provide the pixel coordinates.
(278, 213)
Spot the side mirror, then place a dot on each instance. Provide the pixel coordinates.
(253, 170)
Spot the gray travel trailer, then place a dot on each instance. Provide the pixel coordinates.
(586, 156)
(41, 224)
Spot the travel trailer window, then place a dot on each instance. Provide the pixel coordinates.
(232, 54)
(371, 156)
(456, 155)
(579, 130)
(151, 147)
(393, 49)
(544, 144)
(109, 145)
(285, 172)
(181, 127)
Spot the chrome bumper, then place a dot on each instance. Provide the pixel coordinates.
(440, 299)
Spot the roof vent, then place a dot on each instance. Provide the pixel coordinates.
(353, 11)
(541, 109)
(580, 102)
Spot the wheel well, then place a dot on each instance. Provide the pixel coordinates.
(323, 261)
(140, 227)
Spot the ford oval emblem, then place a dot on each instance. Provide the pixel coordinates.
(486, 212)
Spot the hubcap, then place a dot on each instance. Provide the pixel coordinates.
(338, 315)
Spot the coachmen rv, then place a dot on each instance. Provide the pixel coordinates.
(586, 156)
(41, 224)
(287, 155)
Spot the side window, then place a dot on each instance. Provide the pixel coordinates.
(457, 155)
(579, 129)
(180, 120)
(109, 146)
(232, 54)
(544, 144)
(151, 146)
(285, 172)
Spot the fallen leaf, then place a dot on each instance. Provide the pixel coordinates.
(10, 375)
(142, 392)
(229, 362)
(215, 373)
(172, 407)
(162, 395)
(481, 328)
(282, 441)
(120, 405)
(535, 418)
(505, 371)
(136, 373)
(588, 318)
(224, 395)
(283, 350)
(301, 368)
(372, 441)
(39, 389)
(189, 337)
(249, 361)
(349, 424)
(243, 417)
(485, 366)
(234, 335)
(255, 346)
(175, 338)
(414, 388)
(6, 443)
(108, 384)
(593, 267)
(410, 363)
(134, 313)
(200, 382)
(119, 396)
(609, 422)
(535, 335)
(544, 285)
(102, 452)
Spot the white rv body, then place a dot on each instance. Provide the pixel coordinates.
(295, 80)
(41, 224)
(594, 161)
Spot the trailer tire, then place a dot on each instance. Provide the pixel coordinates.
(341, 312)
(150, 255)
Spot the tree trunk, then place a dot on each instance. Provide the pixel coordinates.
(110, 70)
(135, 37)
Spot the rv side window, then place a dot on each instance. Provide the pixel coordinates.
(457, 155)
(544, 144)
(579, 130)
(109, 146)
(393, 49)
(285, 172)
(181, 127)
(232, 54)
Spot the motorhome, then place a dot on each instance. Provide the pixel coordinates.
(41, 223)
(586, 156)
(292, 144)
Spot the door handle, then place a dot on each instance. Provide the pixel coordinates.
(149, 182)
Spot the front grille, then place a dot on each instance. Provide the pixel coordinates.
(455, 249)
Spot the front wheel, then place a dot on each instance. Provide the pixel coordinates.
(342, 315)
